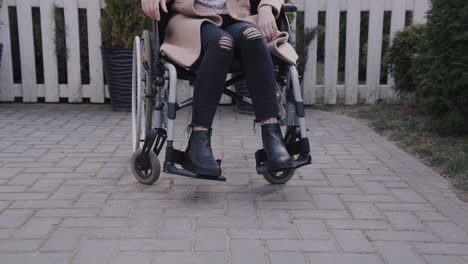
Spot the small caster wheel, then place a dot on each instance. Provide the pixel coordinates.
(281, 177)
(146, 172)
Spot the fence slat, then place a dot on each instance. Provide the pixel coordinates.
(374, 55)
(26, 45)
(332, 36)
(397, 24)
(6, 71)
(353, 32)
(48, 50)
(73, 51)
(310, 74)
(95, 59)
(420, 11)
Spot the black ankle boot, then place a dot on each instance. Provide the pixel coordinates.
(199, 157)
(273, 144)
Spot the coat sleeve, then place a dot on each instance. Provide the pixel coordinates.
(275, 4)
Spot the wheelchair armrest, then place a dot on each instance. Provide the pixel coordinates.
(289, 8)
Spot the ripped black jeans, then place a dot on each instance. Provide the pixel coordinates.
(219, 46)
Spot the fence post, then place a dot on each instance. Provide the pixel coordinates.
(353, 32)
(374, 54)
(332, 41)
(398, 23)
(310, 74)
(74, 91)
(49, 51)
(420, 11)
(95, 59)
(26, 46)
(6, 71)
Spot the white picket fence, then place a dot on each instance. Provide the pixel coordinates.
(352, 91)
(329, 93)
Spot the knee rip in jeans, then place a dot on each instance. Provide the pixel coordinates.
(252, 34)
(226, 43)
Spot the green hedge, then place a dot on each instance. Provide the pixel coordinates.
(432, 62)
(405, 46)
(442, 67)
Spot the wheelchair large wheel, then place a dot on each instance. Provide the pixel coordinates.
(142, 106)
(146, 166)
(287, 112)
(283, 177)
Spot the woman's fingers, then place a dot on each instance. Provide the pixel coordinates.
(164, 6)
(274, 31)
(155, 8)
(266, 32)
(144, 5)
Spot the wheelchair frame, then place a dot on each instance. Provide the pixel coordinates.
(160, 105)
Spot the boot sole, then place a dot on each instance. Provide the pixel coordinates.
(201, 171)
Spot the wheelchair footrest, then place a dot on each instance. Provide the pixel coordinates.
(300, 147)
(169, 167)
(174, 156)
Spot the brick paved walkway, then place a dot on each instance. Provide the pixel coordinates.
(67, 196)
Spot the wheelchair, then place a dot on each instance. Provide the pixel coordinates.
(155, 106)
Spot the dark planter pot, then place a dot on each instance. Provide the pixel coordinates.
(242, 89)
(118, 72)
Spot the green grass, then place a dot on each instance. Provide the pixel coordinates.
(411, 130)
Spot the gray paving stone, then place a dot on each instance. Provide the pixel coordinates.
(328, 201)
(11, 218)
(404, 221)
(287, 257)
(23, 245)
(176, 228)
(67, 212)
(35, 258)
(448, 231)
(364, 211)
(96, 251)
(156, 244)
(352, 241)
(398, 253)
(343, 258)
(301, 245)
(255, 249)
(436, 259)
(190, 258)
(35, 204)
(210, 239)
(386, 235)
(65, 239)
(37, 228)
(312, 229)
(263, 233)
(132, 257)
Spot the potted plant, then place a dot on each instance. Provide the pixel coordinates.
(120, 23)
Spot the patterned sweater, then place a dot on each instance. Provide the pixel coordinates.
(217, 6)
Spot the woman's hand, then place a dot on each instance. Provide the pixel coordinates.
(267, 22)
(152, 7)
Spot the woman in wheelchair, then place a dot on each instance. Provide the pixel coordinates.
(208, 36)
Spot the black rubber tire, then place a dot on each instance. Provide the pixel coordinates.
(279, 177)
(155, 168)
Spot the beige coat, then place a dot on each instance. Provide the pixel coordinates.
(182, 41)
